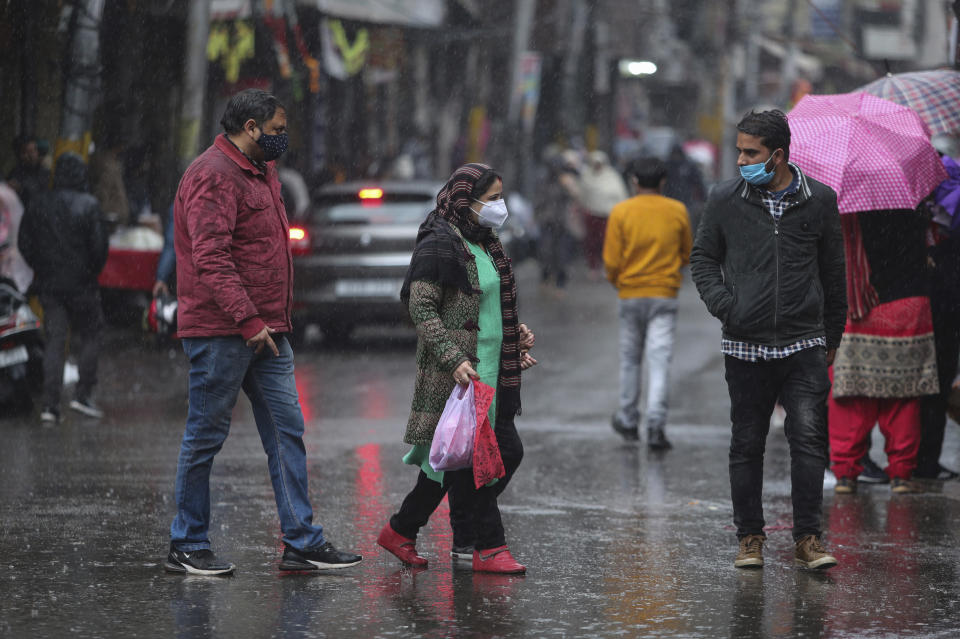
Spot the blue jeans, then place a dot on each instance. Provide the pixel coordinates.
(647, 327)
(219, 368)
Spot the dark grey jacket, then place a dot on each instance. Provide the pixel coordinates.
(772, 283)
(61, 236)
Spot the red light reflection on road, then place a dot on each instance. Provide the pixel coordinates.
(369, 474)
(435, 589)
(306, 380)
(375, 399)
(371, 511)
(439, 531)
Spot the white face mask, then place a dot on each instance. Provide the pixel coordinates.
(493, 214)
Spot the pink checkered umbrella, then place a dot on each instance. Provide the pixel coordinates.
(934, 95)
(875, 154)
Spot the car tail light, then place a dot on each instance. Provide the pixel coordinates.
(370, 194)
(299, 240)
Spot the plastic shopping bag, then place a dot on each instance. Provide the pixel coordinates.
(452, 447)
(487, 463)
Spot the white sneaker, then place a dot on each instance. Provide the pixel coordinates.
(49, 415)
(87, 408)
(462, 552)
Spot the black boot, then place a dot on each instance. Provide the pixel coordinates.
(871, 473)
(628, 433)
(657, 440)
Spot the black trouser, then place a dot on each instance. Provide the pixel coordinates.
(802, 384)
(81, 313)
(474, 515)
(933, 408)
(554, 250)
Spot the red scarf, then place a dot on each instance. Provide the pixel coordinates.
(861, 296)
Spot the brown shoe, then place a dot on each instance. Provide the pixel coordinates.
(845, 486)
(811, 553)
(900, 486)
(751, 552)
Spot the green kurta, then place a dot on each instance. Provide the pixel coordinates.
(490, 334)
(489, 339)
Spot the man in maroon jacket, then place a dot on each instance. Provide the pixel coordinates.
(234, 279)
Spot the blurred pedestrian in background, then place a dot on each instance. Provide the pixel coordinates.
(29, 176)
(685, 182)
(161, 316)
(136, 181)
(887, 360)
(234, 279)
(944, 260)
(12, 264)
(63, 239)
(167, 264)
(647, 243)
(107, 175)
(462, 297)
(556, 210)
(601, 188)
(768, 262)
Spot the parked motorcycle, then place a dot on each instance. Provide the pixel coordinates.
(21, 350)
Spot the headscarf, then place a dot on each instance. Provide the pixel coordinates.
(440, 256)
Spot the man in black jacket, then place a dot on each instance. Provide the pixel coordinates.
(768, 262)
(29, 176)
(62, 238)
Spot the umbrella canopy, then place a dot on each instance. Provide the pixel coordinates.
(934, 95)
(875, 154)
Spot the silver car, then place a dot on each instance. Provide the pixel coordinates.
(351, 252)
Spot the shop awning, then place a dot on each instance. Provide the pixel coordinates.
(411, 13)
(230, 9)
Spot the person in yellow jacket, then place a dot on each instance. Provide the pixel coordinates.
(647, 242)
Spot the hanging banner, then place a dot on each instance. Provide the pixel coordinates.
(231, 44)
(529, 88)
(318, 139)
(341, 57)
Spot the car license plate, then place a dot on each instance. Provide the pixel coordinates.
(13, 356)
(368, 288)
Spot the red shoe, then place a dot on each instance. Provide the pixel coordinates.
(404, 549)
(497, 560)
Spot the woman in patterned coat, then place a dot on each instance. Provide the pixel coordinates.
(462, 297)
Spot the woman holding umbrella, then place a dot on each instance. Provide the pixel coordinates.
(887, 359)
(462, 297)
(877, 156)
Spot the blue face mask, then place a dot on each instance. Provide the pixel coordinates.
(757, 174)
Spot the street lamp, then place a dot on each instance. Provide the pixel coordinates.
(634, 68)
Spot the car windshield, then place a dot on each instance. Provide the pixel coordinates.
(371, 213)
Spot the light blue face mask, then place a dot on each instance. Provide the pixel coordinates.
(757, 174)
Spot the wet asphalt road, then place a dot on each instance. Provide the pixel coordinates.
(618, 542)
